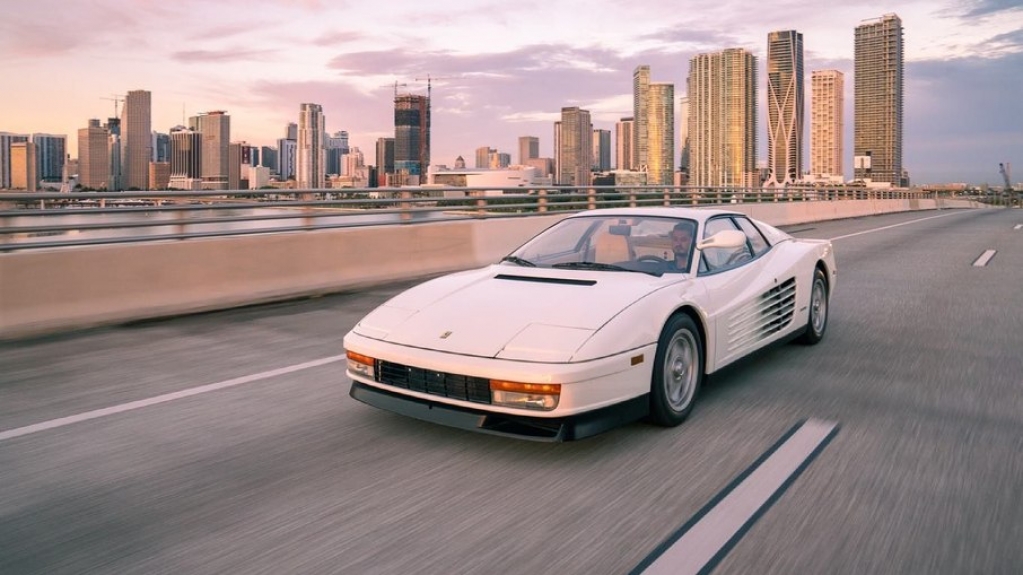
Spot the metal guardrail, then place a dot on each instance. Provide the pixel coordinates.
(54, 220)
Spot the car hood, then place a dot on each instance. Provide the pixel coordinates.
(508, 312)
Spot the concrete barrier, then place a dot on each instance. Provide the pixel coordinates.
(49, 291)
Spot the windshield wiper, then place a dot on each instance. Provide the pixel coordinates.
(602, 267)
(590, 266)
(520, 261)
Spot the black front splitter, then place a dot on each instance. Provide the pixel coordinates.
(521, 427)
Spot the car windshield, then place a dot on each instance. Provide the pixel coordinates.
(648, 244)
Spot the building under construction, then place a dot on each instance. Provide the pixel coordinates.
(411, 138)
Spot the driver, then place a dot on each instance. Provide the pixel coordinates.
(682, 244)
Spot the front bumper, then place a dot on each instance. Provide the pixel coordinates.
(546, 429)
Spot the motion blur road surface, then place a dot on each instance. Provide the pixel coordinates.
(279, 471)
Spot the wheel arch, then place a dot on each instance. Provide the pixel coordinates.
(698, 319)
(823, 266)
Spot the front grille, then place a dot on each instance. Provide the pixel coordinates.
(450, 385)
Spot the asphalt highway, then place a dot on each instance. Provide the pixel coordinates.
(226, 443)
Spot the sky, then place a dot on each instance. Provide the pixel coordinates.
(499, 70)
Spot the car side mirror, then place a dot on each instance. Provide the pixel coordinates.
(724, 239)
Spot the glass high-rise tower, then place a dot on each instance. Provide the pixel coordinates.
(722, 91)
(310, 156)
(877, 119)
(826, 97)
(661, 134)
(137, 139)
(640, 117)
(574, 147)
(784, 106)
(215, 128)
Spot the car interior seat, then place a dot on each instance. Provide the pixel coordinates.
(610, 248)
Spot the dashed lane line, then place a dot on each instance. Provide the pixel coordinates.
(700, 544)
(984, 258)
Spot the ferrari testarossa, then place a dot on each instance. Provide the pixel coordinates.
(606, 317)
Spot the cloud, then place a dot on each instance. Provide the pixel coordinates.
(338, 37)
(961, 117)
(216, 56)
(977, 8)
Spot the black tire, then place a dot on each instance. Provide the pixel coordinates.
(678, 372)
(817, 315)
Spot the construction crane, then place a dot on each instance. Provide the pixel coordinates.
(428, 79)
(117, 98)
(1005, 170)
(396, 84)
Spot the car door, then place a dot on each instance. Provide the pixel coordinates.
(750, 304)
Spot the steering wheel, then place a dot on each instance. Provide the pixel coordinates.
(653, 258)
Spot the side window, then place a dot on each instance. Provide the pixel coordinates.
(720, 258)
(756, 239)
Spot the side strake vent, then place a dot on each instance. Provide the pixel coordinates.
(564, 281)
(762, 317)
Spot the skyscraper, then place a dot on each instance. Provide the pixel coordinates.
(661, 134)
(827, 89)
(50, 154)
(640, 118)
(185, 159)
(94, 156)
(23, 167)
(384, 159)
(601, 150)
(136, 139)
(161, 147)
(336, 148)
(683, 135)
(483, 156)
(215, 128)
(6, 139)
(722, 118)
(784, 106)
(115, 153)
(575, 147)
(877, 117)
(411, 136)
(529, 148)
(309, 155)
(234, 166)
(286, 158)
(623, 144)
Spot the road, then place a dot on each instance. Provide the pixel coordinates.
(185, 446)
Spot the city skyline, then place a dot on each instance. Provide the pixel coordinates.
(497, 75)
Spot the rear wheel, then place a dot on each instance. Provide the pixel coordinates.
(678, 372)
(817, 320)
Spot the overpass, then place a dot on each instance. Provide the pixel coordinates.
(72, 283)
(225, 442)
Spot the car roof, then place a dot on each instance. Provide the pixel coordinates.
(698, 214)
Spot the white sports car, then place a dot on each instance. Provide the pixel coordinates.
(605, 317)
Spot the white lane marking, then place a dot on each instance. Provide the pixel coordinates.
(984, 259)
(1018, 226)
(893, 226)
(699, 545)
(61, 422)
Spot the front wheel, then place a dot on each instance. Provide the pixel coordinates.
(817, 319)
(678, 372)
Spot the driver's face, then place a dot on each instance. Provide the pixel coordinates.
(681, 240)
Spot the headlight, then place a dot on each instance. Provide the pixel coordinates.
(361, 364)
(542, 396)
